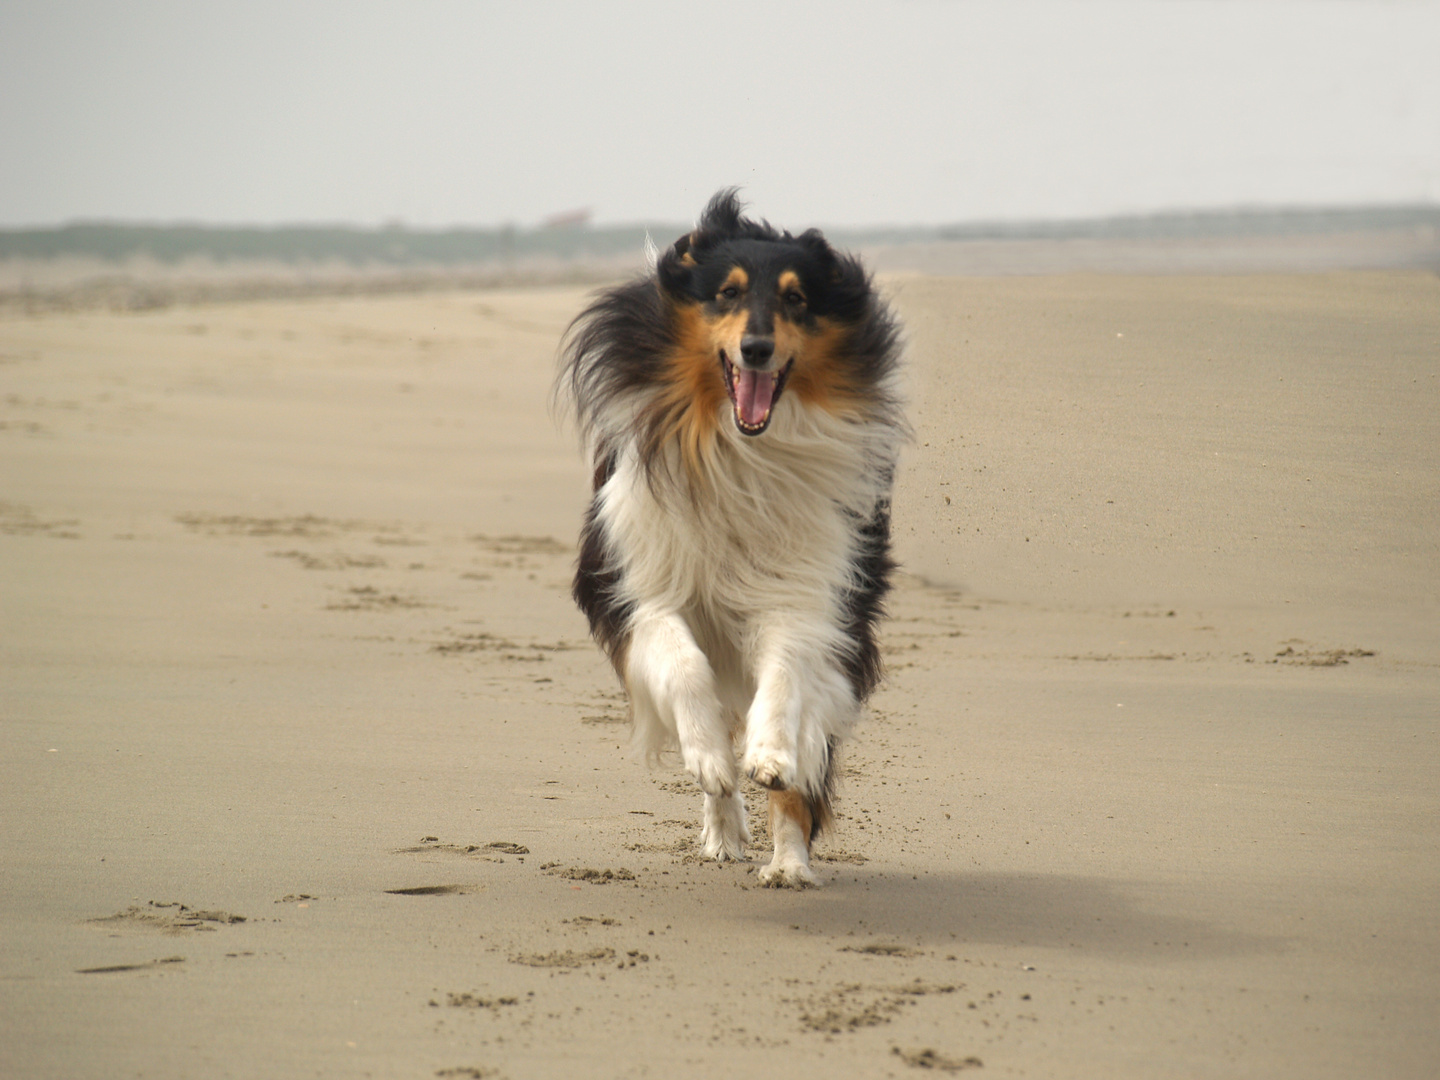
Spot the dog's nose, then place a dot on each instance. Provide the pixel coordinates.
(756, 351)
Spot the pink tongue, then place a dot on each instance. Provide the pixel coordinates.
(753, 394)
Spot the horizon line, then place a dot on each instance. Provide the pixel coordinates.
(1000, 223)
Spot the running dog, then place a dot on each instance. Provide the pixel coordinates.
(741, 409)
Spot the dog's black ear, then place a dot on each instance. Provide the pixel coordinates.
(819, 249)
(676, 268)
(847, 285)
(826, 261)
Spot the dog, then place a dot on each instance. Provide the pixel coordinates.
(741, 408)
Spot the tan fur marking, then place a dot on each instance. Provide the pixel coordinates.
(791, 340)
(693, 397)
(819, 378)
(790, 282)
(688, 408)
(737, 277)
(792, 805)
(725, 333)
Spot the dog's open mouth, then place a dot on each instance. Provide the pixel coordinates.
(753, 393)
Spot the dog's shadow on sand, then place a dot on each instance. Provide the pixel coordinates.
(1052, 911)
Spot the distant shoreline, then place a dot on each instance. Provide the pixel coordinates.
(400, 245)
(119, 266)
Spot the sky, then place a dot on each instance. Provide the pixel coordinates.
(435, 113)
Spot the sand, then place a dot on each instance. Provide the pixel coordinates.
(307, 767)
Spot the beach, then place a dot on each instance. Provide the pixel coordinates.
(308, 767)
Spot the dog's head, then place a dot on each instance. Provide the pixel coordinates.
(760, 311)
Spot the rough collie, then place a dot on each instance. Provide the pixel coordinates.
(741, 409)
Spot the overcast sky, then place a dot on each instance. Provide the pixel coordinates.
(932, 111)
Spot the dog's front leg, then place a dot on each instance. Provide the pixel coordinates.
(724, 833)
(802, 701)
(791, 824)
(672, 688)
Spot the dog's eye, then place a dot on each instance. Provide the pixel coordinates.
(730, 292)
(794, 299)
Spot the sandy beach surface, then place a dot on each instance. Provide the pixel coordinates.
(307, 767)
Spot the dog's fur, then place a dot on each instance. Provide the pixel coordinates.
(741, 407)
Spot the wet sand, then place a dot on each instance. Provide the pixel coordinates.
(308, 768)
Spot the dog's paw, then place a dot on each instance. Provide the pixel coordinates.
(717, 845)
(789, 874)
(770, 769)
(724, 833)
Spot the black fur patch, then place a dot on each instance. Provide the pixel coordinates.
(821, 803)
(836, 284)
(597, 579)
(615, 349)
(863, 603)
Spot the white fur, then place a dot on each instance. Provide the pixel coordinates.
(724, 833)
(790, 865)
(736, 631)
